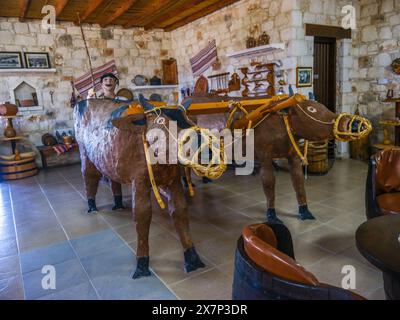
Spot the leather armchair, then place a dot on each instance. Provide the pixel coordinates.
(382, 194)
(265, 269)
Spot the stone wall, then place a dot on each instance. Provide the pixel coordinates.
(231, 26)
(135, 51)
(376, 44)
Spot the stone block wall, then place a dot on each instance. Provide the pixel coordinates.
(376, 44)
(135, 51)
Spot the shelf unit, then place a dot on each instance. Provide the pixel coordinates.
(155, 87)
(27, 71)
(258, 51)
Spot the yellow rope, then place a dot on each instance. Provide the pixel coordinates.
(294, 143)
(151, 174)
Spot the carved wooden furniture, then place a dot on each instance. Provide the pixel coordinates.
(265, 269)
(378, 240)
(170, 72)
(382, 194)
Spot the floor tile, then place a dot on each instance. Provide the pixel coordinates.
(90, 245)
(211, 285)
(11, 288)
(68, 274)
(51, 255)
(123, 287)
(83, 291)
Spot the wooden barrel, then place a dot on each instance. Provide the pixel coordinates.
(13, 170)
(318, 157)
(359, 149)
(253, 283)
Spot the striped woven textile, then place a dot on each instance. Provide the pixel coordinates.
(84, 83)
(204, 59)
(62, 148)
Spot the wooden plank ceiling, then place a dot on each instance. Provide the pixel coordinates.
(165, 14)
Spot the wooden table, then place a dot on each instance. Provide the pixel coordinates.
(46, 151)
(378, 240)
(397, 130)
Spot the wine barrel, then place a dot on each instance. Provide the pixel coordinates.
(253, 283)
(13, 170)
(318, 157)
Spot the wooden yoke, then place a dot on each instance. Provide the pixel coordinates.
(272, 106)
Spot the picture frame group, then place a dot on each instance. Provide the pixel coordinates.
(31, 60)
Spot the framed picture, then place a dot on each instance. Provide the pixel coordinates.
(10, 60)
(304, 77)
(37, 60)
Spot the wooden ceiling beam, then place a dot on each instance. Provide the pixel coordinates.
(199, 14)
(93, 5)
(119, 12)
(152, 11)
(187, 5)
(23, 9)
(60, 5)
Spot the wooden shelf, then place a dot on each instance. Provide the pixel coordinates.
(258, 51)
(13, 138)
(11, 117)
(155, 87)
(392, 100)
(27, 71)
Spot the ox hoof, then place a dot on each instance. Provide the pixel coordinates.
(118, 205)
(272, 218)
(92, 206)
(192, 260)
(142, 268)
(305, 214)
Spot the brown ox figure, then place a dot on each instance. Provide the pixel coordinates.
(111, 145)
(308, 120)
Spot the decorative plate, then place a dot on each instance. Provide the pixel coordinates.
(126, 93)
(140, 80)
(396, 66)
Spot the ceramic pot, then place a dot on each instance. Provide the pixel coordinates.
(49, 140)
(8, 109)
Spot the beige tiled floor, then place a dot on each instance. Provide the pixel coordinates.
(54, 201)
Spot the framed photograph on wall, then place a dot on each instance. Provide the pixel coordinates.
(37, 60)
(304, 77)
(10, 60)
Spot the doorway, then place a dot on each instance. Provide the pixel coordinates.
(325, 78)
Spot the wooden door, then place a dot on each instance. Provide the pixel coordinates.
(325, 78)
(325, 71)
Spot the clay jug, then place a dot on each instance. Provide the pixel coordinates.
(8, 109)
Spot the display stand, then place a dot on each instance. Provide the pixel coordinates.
(16, 166)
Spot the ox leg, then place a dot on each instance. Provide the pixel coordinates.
(91, 177)
(178, 210)
(117, 193)
(141, 207)
(296, 173)
(268, 182)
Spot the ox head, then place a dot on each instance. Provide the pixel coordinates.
(313, 121)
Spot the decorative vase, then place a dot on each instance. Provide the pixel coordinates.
(251, 42)
(9, 131)
(263, 39)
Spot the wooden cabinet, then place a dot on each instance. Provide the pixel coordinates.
(170, 71)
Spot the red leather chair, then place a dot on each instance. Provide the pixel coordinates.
(382, 194)
(265, 269)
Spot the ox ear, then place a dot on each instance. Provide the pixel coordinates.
(186, 104)
(145, 103)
